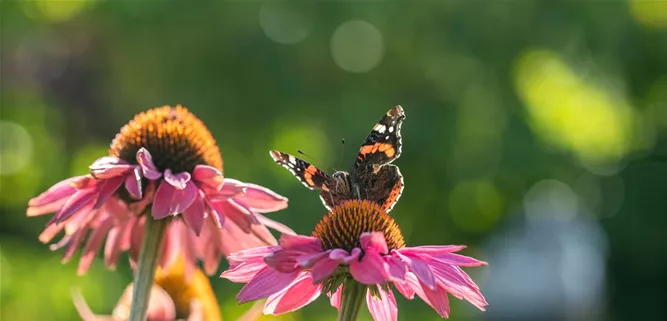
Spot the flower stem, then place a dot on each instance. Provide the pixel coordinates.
(351, 300)
(143, 279)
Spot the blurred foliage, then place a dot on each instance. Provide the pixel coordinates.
(499, 95)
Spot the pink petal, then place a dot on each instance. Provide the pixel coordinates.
(80, 199)
(383, 308)
(108, 167)
(460, 287)
(343, 257)
(107, 188)
(56, 192)
(133, 183)
(334, 299)
(279, 227)
(283, 261)
(93, 246)
(433, 249)
(80, 219)
(397, 268)
(74, 243)
(50, 232)
(82, 307)
(308, 260)
(373, 242)
(148, 168)
(194, 215)
(243, 272)
(208, 176)
(295, 296)
(456, 259)
(323, 269)
(230, 188)
(419, 268)
(306, 244)
(55, 206)
(266, 283)
(171, 201)
(370, 270)
(178, 181)
(112, 247)
(263, 200)
(437, 299)
(231, 211)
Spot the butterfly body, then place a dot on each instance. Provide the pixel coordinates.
(371, 177)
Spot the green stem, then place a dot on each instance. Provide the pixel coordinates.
(351, 300)
(143, 279)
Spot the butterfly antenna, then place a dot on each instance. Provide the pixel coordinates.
(342, 151)
(308, 156)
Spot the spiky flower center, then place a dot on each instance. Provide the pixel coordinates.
(176, 139)
(343, 226)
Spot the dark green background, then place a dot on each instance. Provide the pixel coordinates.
(499, 95)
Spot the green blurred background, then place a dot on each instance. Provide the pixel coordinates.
(534, 132)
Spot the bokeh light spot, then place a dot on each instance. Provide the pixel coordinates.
(475, 205)
(550, 199)
(57, 11)
(649, 13)
(16, 147)
(357, 46)
(572, 113)
(306, 137)
(85, 156)
(285, 22)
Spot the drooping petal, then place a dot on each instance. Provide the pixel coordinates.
(373, 242)
(133, 183)
(80, 199)
(208, 176)
(108, 167)
(323, 269)
(263, 200)
(171, 201)
(107, 188)
(56, 192)
(343, 257)
(397, 268)
(382, 308)
(298, 294)
(233, 212)
(456, 259)
(230, 188)
(409, 286)
(93, 246)
(148, 168)
(178, 181)
(283, 261)
(306, 244)
(194, 215)
(419, 268)
(437, 299)
(75, 241)
(266, 283)
(334, 299)
(370, 270)
(433, 249)
(308, 260)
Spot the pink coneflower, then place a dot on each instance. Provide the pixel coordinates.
(163, 162)
(358, 248)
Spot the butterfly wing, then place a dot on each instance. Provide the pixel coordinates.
(309, 175)
(383, 144)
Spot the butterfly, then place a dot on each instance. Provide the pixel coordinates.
(371, 177)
